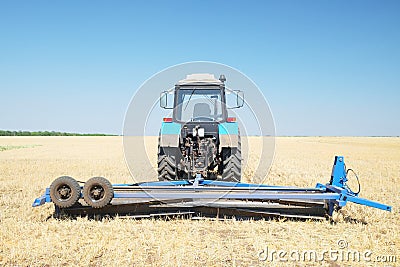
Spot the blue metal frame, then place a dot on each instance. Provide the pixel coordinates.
(338, 177)
(205, 182)
(336, 193)
(338, 184)
(45, 198)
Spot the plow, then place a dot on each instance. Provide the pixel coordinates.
(199, 170)
(203, 198)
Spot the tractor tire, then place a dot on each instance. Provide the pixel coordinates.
(167, 170)
(232, 165)
(98, 192)
(65, 192)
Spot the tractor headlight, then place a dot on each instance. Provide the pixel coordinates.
(200, 131)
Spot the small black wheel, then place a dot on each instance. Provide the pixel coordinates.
(65, 191)
(98, 192)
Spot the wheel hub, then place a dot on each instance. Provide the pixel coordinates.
(97, 192)
(65, 192)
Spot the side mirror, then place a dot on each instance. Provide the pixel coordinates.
(239, 98)
(164, 99)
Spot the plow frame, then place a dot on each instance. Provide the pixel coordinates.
(211, 198)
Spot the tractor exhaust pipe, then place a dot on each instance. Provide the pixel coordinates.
(222, 78)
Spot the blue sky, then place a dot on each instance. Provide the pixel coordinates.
(325, 67)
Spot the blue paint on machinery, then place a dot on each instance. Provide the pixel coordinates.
(228, 128)
(170, 128)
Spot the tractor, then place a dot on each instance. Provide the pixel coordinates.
(199, 139)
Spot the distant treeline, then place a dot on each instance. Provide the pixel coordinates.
(46, 133)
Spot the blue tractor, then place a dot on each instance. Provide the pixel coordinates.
(199, 138)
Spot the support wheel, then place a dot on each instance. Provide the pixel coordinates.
(65, 192)
(98, 192)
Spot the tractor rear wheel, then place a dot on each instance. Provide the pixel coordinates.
(65, 191)
(98, 192)
(232, 164)
(166, 168)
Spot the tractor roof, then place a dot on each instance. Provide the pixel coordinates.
(200, 79)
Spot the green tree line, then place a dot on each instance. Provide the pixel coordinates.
(47, 133)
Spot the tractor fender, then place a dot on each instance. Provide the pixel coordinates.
(228, 134)
(169, 134)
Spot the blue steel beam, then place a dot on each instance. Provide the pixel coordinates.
(228, 195)
(39, 201)
(204, 182)
(366, 202)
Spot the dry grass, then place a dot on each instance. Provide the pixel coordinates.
(27, 238)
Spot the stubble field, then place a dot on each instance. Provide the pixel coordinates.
(28, 237)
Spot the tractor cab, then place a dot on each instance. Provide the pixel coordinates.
(201, 98)
(199, 104)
